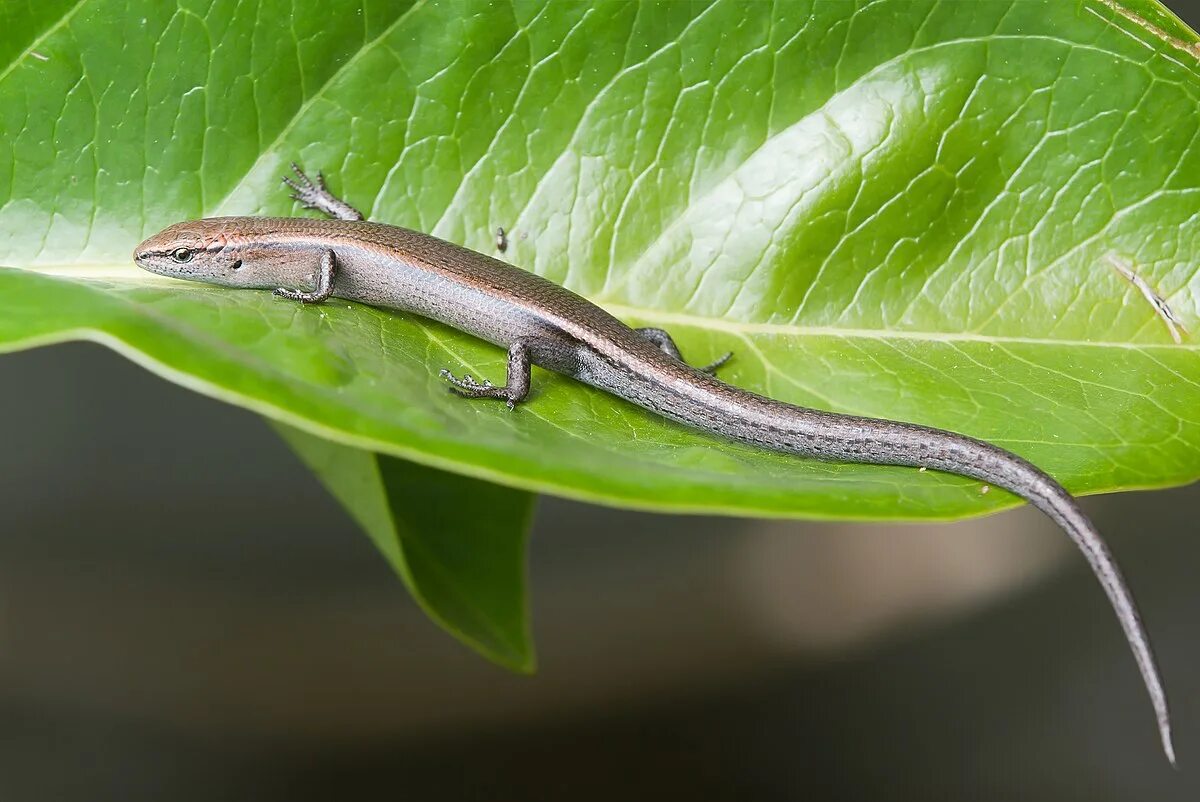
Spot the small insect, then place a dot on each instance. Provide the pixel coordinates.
(1161, 308)
(501, 240)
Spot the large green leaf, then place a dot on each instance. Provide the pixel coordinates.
(458, 543)
(894, 208)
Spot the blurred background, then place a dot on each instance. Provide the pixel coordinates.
(186, 615)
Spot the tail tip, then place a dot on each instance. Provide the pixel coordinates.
(1164, 731)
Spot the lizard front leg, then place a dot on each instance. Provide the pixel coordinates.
(324, 282)
(516, 386)
(315, 195)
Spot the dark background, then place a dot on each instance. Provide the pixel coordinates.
(184, 614)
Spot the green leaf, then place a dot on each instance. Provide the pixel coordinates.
(900, 209)
(458, 543)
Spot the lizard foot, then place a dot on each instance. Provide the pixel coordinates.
(315, 195)
(467, 387)
(711, 369)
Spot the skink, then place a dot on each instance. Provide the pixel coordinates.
(541, 323)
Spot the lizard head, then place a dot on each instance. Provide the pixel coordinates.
(213, 251)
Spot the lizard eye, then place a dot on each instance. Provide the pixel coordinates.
(181, 255)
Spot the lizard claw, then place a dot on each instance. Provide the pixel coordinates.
(465, 383)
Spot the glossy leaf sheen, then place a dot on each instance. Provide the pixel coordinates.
(458, 543)
(900, 209)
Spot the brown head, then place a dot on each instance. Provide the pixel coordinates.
(216, 250)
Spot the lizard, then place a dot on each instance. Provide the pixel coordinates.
(310, 260)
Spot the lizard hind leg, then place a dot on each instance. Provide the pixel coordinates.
(516, 386)
(666, 344)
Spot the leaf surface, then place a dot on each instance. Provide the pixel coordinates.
(898, 209)
(458, 543)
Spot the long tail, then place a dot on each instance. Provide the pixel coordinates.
(702, 401)
(1018, 476)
